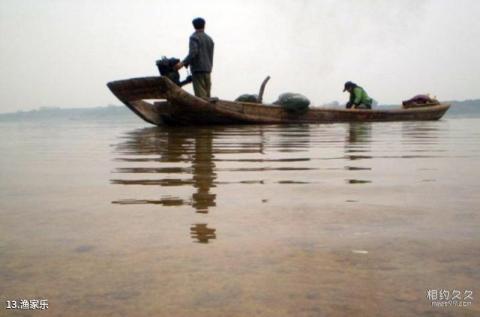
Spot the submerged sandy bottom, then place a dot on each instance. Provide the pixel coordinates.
(319, 220)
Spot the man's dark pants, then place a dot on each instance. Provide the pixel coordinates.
(202, 84)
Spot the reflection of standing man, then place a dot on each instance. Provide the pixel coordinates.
(203, 170)
(200, 59)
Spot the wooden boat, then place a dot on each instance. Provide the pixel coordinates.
(178, 107)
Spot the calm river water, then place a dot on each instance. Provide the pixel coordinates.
(125, 219)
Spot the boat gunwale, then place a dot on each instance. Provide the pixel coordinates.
(396, 110)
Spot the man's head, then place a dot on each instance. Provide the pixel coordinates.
(349, 86)
(198, 23)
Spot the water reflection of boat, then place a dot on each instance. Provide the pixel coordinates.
(181, 108)
(171, 146)
(357, 141)
(187, 157)
(422, 130)
(202, 233)
(203, 172)
(357, 144)
(359, 133)
(294, 138)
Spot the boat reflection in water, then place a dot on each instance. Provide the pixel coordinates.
(175, 152)
(357, 146)
(203, 175)
(201, 233)
(358, 138)
(183, 157)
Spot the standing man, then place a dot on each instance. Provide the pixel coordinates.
(200, 59)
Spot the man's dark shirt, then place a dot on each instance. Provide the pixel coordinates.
(200, 55)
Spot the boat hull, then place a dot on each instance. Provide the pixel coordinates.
(180, 108)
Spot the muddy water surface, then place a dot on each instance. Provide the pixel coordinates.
(122, 219)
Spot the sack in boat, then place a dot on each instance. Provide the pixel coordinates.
(292, 102)
(420, 101)
(247, 98)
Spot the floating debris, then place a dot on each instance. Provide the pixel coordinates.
(360, 251)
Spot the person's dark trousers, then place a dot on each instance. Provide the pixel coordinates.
(202, 84)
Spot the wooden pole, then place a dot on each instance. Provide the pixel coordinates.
(262, 89)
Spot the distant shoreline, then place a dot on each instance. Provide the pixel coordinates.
(105, 112)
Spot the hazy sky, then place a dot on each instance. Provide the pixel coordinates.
(63, 52)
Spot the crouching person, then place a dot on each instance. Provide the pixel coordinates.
(359, 98)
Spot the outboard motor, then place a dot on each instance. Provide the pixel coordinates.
(166, 67)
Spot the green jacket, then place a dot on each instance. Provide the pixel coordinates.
(359, 96)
